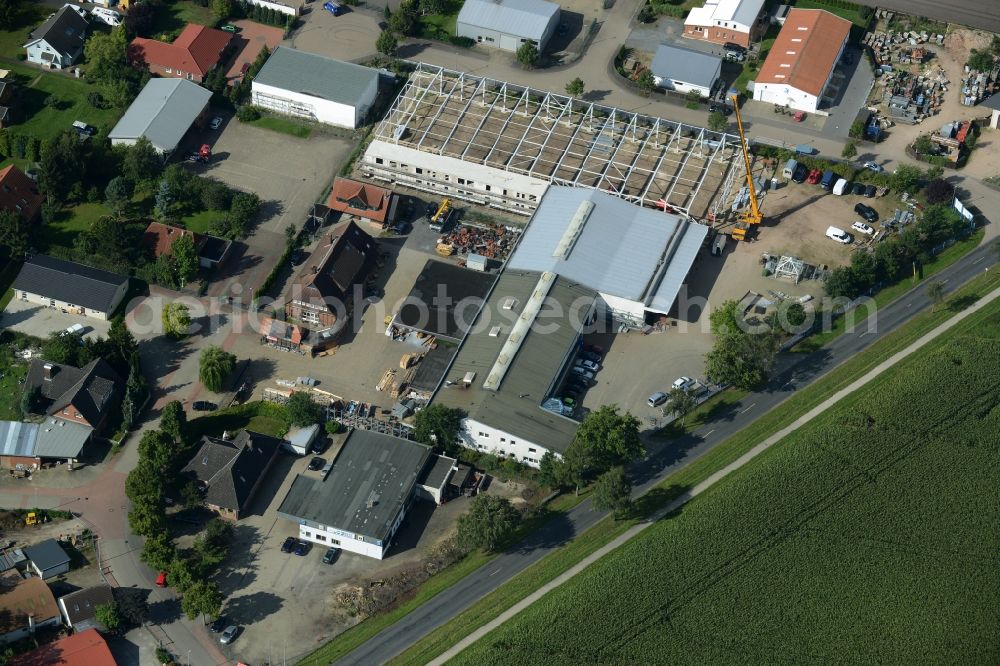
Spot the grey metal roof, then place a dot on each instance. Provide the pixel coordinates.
(623, 250)
(992, 102)
(47, 555)
(524, 18)
(69, 282)
(515, 407)
(18, 439)
(370, 482)
(65, 31)
(162, 112)
(54, 438)
(444, 299)
(680, 64)
(317, 76)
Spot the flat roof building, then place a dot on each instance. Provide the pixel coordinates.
(163, 113)
(361, 502)
(507, 24)
(513, 360)
(444, 300)
(635, 258)
(685, 70)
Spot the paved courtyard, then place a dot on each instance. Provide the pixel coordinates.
(34, 319)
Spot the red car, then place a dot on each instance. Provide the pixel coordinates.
(161, 580)
(814, 176)
(595, 349)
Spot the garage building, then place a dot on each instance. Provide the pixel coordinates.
(635, 258)
(315, 87)
(802, 60)
(684, 70)
(163, 113)
(507, 24)
(70, 286)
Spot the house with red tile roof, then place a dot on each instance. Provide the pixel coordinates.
(802, 60)
(352, 197)
(84, 649)
(19, 193)
(196, 52)
(159, 240)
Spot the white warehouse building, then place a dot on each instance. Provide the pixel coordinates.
(684, 70)
(315, 87)
(507, 24)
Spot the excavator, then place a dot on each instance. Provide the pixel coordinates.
(747, 218)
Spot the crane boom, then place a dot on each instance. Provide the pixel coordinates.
(753, 216)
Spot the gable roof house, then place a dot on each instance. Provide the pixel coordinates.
(721, 21)
(163, 113)
(159, 239)
(86, 648)
(19, 193)
(196, 52)
(86, 395)
(70, 286)
(47, 559)
(231, 471)
(79, 608)
(327, 286)
(802, 59)
(58, 42)
(26, 604)
(353, 197)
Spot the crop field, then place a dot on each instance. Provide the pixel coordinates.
(869, 536)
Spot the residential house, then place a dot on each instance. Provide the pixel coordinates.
(47, 559)
(87, 395)
(726, 21)
(8, 98)
(26, 605)
(79, 609)
(86, 648)
(192, 56)
(507, 24)
(69, 286)
(229, 472)
(159, 239)
(371, 202)
(58, 42)
(802, 59)
(26, 445)
(19, 193)
(324, 293)
(163, 113)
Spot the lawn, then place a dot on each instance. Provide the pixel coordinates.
(11, 374)
(440, 26)
(551, 566)
(264, 417)
(850, 12)
(284, 125)
(12, 41)
(201, 221)
(43, 120)
(868, 534)
(173, 15)
(72, 221)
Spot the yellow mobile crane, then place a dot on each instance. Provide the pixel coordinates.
(752, 216)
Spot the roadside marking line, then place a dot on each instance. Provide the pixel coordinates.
(709, 432)
(749, 408)
(978, 260)
(865, 333)
(494, 573)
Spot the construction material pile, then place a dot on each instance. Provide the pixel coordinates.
(901, 47)
(493, 241)
(912, 98)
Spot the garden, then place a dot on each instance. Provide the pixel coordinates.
(834, 545)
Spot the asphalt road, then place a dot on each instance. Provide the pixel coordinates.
(980, 14)
(794, 371)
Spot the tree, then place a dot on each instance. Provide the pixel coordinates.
(981, 61)
(242, 210)
(147, 517)
(717, 121)
(31, 401)
(144, 482)
(794, 313)
(438, 426)
(132, 605)
(575, 87)
(402, 20)
(613, 492)
(163, 207)
(108, 615)
(488, 524)
(303, 410)
(158, 449)
(612, 438)
(176, 319)
(939, 191)
(850, 151)
(222, 9)
(123, 346)
(680, 403)
(118, 194)
(214, 366)
(548, 471)
(13, 233)
(9, 10)
(386, 43)
(741, 358)
(173, 421)
(191, 496)
(215, 195)
(213, 546)
(61, 166)
(140, 162)
(185, 256)
(646, 82)
(432, 6)
(158, 551)
(61, 348)
(935, 292)
(182, 574)
(202, 598)
(923, 144)
(105, 53)
(527, 54)
(906, 178)
(139, 19)
(576, 466)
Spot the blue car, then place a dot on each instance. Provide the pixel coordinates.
(334, 8)
(301, 548)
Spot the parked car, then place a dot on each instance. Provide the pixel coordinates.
(330, 556)
(316, 463)
(734, 51)
(334, 8)
(204, 406)
(301, 548)
(863, 228)
(229, 635)
(582, 373)
(870, 192)
(838, 235)
(576, 386)
(595, 349)
(220, 623)
(75, 329)
(800, 173)
(724, 109)
(590, 356)
(657, 399)
(872, 166)
(859, 189)
(867, 212)
(229, 28)
(215, 123)
(589, 365)
(161, 579)
(288, 544)
(814, 176)
(682, 383)
(569, 402)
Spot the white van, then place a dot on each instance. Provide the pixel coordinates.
(841, 187)
(789, 170)
(838, 235)
(107, 16)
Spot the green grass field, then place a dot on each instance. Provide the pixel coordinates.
(851, 13)
(11, 374)
(43, 120)
(284, 125)
(867, 535)
(173, 15)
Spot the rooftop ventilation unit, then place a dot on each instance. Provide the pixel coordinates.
(573, 230)
(519, 331)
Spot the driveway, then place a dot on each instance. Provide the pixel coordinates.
(34, 319)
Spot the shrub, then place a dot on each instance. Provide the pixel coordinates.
(247, 113)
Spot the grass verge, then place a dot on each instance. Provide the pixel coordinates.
(547, 569)
(283, 125)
